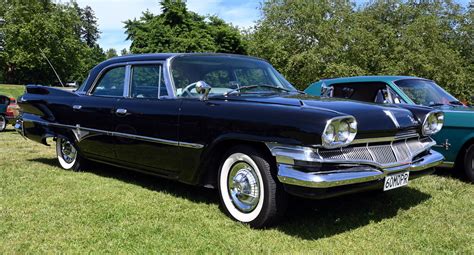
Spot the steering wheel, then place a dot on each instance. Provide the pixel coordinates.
(187, 90)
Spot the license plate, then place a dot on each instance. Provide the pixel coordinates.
(396, 181)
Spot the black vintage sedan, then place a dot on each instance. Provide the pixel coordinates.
(234, 123)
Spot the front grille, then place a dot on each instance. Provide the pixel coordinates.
(386, 154)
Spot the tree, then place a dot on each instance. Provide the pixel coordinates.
(124, 52)
(51, 27)
(90, 32)
(310, 40)
(178, 30)
(111, 53)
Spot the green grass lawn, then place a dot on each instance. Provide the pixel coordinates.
(12, 90)
(44, 209)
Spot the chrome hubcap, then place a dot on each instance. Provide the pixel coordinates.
(68, 152)
(244, 187)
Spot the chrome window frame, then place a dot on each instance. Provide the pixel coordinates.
(102, 73)
(165, 74)
(169, 75)
(127, 78)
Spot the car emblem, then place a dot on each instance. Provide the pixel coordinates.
(413, 120)
(392, 117)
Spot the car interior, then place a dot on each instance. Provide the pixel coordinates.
(373, 92)
(221, 77)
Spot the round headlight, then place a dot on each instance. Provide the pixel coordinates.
(433, 123)
(329, 135)
(339, 132)
(343, 132)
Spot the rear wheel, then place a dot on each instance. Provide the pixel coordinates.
(469, 163)
(3, 123)
(248, 190)
(68, 156)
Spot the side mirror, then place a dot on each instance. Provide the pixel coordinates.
(203, 88)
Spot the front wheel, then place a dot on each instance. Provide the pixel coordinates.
(67, 155)
(3, 123)
(248, 190)
(469, 163)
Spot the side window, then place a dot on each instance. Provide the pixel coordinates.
(148, 81)
(111, 83)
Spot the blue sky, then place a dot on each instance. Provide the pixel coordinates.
(111, 14)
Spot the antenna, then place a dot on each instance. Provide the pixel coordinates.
(52, 67)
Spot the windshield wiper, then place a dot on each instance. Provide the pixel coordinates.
(449, 103)
(455, 102)
(256, 86)
(436, 104)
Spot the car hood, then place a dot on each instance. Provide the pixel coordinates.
(453, 108)
(370, 117)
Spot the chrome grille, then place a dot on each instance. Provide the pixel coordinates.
(393, 153)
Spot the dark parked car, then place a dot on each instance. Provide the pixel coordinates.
(234, 123)
(9, 111)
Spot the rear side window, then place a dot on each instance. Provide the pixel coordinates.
(111, 83)
(148, 81)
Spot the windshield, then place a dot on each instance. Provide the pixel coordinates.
(225, 74)
(425, 92)
(83, 85)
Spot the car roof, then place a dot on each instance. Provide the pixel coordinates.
(157, 57)
(152, 57)
(374, 78)
(164, 56)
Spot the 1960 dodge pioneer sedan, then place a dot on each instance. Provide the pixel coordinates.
(231, 122)
(455, 141)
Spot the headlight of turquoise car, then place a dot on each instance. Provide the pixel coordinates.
(339, 132)
(433, 123)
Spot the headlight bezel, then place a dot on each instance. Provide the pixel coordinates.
(426, 127)
(332, 141)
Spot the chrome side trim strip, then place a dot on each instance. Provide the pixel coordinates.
(124, 135)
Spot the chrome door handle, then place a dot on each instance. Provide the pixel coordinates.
(121, 112)
(76, 107)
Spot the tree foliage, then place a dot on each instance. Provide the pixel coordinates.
(111, 53)
(177, 29)
(309, 40)
(54, 28)
(89, 32)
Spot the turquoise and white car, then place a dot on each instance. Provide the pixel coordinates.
(455, 141)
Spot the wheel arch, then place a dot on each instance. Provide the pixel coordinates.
(460, 157)
(213, 157)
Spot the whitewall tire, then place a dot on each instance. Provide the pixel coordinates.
(67, 154)
(248, 190)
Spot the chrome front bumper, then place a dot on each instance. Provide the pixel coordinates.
(307, 167)
(289, 174)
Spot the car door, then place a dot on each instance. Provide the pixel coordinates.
(94, 113)
(147, 122)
